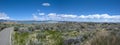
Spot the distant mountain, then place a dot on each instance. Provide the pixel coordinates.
(3, 20)
(29, 21)
(44, 21)
(36, 22)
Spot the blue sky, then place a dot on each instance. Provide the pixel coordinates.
(68, 10)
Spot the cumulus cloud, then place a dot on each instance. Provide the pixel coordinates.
(4, 16)
(98, 16)
(86, 18)
(35, 17)
(52, 14)
(41, 13)
(68, 16)
(46, 4)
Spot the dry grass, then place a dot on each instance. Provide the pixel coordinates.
(104, 37)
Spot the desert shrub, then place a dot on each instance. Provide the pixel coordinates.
(20, 38)
(16, 28)
(68, 33)
(104, 38)
(2, 26)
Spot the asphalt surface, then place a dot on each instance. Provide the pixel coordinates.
(5, 36)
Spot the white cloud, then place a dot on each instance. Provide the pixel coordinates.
(88, 18)
(52, 14)
(35, 17)
(68, 16)
(82, 16)
(62, 15)
(46, 4)
(99, 16)
(41, 13)
(4, 16)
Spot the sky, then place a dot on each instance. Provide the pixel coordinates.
(61, 10)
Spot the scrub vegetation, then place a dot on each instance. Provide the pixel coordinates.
(67, 33)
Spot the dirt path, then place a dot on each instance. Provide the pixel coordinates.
(5, 36)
